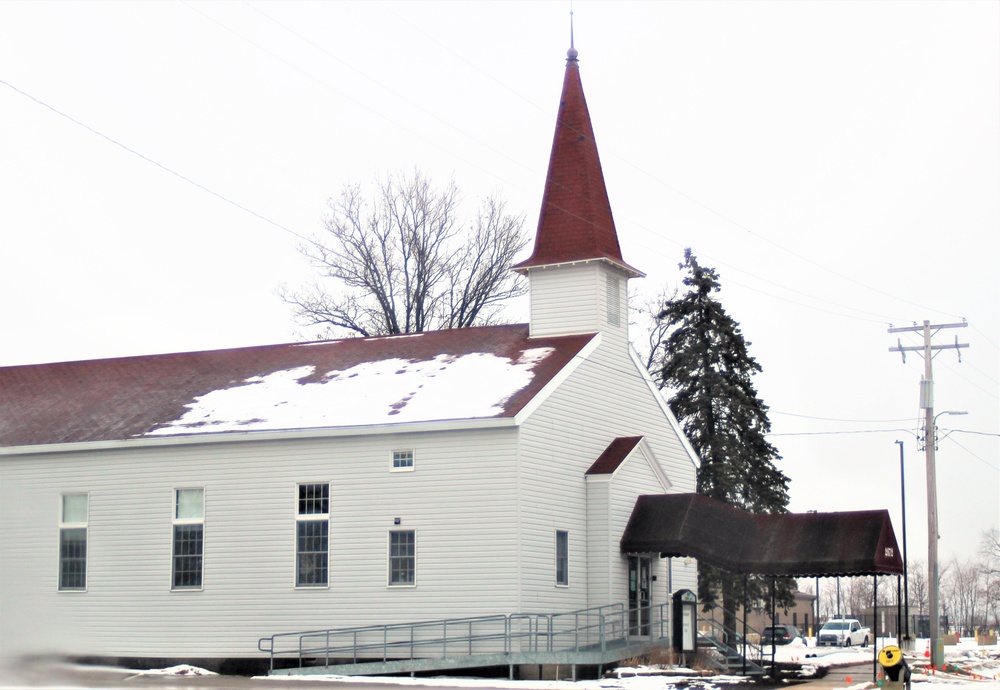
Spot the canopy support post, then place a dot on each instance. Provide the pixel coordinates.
(746, 609)
(875, 629)
(774, 616)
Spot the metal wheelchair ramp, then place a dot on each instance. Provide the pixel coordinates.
(596, 636)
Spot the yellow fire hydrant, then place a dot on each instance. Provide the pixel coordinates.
(895, 671)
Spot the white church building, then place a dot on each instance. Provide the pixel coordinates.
(187, 505)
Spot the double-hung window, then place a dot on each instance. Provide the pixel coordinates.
(402, 558)
(312, 536)
(562, 558)
(189, 538)
(73, 542)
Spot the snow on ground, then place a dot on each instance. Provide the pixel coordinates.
(967, 667)
(179, 670)
(970, 667)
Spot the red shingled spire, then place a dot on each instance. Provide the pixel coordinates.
(575, 223)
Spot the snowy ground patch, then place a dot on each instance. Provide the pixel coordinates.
(179, 670)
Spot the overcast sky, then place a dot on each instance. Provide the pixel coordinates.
(837, 162)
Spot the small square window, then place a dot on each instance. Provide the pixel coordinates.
(190, 504)
(74, 509)
(402, 460)
(314, 499)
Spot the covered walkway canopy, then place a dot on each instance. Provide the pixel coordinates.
(789, 544)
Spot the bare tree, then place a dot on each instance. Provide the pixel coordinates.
(965, 594)
(918, 587)
(989, 552)
(398, 261)
(989, 549)
(651, 347)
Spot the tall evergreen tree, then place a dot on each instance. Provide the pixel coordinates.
(705, 362)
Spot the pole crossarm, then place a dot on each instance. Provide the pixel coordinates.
(921, 348)
(927, 350)
(907, 329)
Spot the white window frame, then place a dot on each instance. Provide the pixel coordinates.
(389, 557)
(65, 525)
(186, 522)
(300, 518)
(400, 455)
(562, 581)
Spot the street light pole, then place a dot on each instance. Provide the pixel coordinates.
(906, 568)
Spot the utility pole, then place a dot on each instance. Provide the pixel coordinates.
(927, 351)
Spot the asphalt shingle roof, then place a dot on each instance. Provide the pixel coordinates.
(418, 377)
(575, 223)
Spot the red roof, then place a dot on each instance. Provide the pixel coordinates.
(575, 223)
(115, 399)
(614, 455)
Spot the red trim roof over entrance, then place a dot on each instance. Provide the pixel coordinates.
(614, 455)
(792, 544)
(575, 223)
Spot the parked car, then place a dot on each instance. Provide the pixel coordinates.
(779, 634)
(845, 632)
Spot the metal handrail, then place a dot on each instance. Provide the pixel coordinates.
(594, 627)
(727, 640)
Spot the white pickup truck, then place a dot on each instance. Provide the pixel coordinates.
(843, 632)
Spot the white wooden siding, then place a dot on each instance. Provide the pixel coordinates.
(606, 397)
(563, 300)
(459, 499)
(602, 549)
(574, 299)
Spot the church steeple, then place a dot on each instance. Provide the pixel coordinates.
(575, 223)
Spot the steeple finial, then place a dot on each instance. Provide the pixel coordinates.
(571, 53)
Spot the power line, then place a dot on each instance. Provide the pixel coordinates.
(844, 433)
(651, 176)
(155, 162)
(982, 460)
(834, 419)
(655, 250)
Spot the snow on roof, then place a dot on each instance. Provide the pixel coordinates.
(445, 387)
(469, 373)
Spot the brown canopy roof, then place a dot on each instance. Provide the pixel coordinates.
(792, 544)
